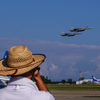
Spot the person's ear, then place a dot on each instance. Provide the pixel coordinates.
(31, 71)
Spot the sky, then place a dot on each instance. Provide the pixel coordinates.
(38, 24)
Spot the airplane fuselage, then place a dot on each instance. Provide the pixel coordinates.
(79, 29)
(68, 34)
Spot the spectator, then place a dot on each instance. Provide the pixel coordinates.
(22, 65)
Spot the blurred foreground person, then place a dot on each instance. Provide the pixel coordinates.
(22, 65)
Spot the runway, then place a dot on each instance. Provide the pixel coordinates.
(76, 95)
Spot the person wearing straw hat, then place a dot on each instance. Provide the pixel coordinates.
(22, 65)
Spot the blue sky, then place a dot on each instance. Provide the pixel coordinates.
(39, 23)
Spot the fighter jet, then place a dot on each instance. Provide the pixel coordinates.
(69, 34)
(79, 29)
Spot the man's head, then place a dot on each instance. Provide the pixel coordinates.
(30, 73)
(20, 60)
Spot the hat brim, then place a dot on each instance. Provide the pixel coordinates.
(8, 71)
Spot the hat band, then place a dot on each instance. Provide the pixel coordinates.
(20, 67)
(13, 73)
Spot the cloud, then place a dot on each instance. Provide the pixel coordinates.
(54, 72)
(53, 67)
(96, 60)
(71, 59)
(63, 61)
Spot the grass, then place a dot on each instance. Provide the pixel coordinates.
(72, 87)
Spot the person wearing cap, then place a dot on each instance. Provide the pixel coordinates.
(22, 65)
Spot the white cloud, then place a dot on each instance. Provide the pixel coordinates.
(61, 59)
(71, 59)
(54, 71)
(53, 67)
(96, 60)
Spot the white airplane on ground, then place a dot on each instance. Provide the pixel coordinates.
(79, 29)
(4, 78)
(97, 81)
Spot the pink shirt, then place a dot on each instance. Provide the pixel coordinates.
(21, 88)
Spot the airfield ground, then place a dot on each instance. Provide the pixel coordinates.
(76, 94)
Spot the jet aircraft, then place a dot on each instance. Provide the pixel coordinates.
(97, 81)
(69, 34)
(79, 29)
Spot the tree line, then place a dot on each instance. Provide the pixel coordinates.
(46, 80)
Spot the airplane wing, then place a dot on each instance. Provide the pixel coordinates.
(5, 78)
(78, 33)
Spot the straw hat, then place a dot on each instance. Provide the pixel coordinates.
(19, 60)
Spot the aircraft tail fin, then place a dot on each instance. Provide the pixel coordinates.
(71, 28)
(94, 78)
(5, 55)
(62, 32)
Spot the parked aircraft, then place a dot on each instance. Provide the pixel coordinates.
(2, 84)
(4, 79)
(69, 34)
(79, 29)
(95, 80)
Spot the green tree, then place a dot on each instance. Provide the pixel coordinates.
(45, 79)
(70, 81)
(82, 78)
(63, 81)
